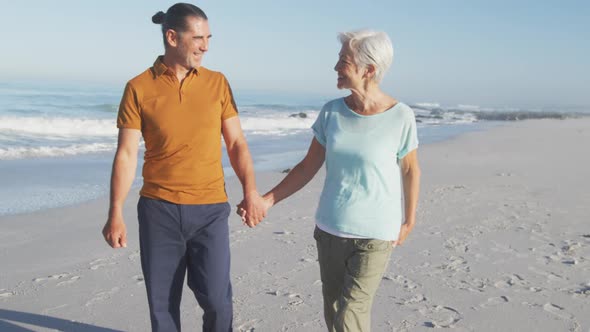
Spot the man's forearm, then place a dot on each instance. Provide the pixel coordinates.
(241, 161)
(122, 176)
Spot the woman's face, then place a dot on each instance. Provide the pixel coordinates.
(349, 74)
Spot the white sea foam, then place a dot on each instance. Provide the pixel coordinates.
(277, 124)
(58, 127)
(52, 151)
(428, 105)
(468, 107)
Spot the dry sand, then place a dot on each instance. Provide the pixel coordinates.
(501, 244)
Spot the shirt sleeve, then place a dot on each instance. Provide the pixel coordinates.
(228, 103)
(319, 128)
(409, 136)
(129, 110)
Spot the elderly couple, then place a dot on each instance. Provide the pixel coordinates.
(367, 140)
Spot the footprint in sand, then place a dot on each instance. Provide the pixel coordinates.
(511, 281)
(249, 326)
(570, 262)
(403, 326)
(139, 280)
(456, 245)
(307, 260)
(455, 264)
(294, 299)
(471, 284)
(51, 277)
(100, 263)
(412, 300)
(582, 291)
(570, 248)
(283, 233)
(101, 296)
(69, 281)
(441, 316)
(50, 311)
(557, 310)
(401, 280)
(494, 301)
(134, 256)
(5, 293)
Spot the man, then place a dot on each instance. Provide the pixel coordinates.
(181, 109)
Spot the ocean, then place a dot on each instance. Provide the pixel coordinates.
(57, 140)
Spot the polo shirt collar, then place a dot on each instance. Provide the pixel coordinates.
(160, 68)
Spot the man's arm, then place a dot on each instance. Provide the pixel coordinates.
(411, 184)
(241, 162)
(122, 176)
(300, 175)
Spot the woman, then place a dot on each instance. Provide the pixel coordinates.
(367, 139)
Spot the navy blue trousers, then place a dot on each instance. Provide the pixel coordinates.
(175, 240)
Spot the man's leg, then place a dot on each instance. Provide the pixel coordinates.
(208, 262)
(163, 261)
(364, 271)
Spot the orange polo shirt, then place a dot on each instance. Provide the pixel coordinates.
(181, 127)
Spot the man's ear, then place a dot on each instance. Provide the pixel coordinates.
(172, 37)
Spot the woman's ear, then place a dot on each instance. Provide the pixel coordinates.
(370, 71)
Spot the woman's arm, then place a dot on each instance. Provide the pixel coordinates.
(411, 185)
(300, 175)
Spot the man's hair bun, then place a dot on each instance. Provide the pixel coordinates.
(158, 18)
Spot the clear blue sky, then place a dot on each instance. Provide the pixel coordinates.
(489, 53)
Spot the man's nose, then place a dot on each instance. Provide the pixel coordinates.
(205, 46)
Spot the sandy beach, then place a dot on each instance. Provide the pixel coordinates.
(501, 244)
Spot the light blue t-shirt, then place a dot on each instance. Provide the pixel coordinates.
(362, 192)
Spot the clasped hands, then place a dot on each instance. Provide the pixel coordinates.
(253, 208)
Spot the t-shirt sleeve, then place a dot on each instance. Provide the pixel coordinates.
(228, 103)
(319, 128)
(409, 137)
(129, 110)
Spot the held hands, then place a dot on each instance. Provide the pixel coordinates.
(253, 209)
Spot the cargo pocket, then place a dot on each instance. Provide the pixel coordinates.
(370, 257)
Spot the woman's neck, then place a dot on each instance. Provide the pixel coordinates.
(369, 100)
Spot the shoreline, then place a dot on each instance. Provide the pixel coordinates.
(80, 179)
(501, 232)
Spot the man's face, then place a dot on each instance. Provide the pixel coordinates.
(193, 43)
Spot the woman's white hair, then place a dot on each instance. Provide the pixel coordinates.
(369, 48)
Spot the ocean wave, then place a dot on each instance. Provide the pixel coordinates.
(523, 115)
(52, 151)
(434, 114)
(58, 127)
(277, 107)
(278, 125)
(426, 105)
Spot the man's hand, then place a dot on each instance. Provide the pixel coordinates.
(253, 209)
(403, 234)
(115, 232)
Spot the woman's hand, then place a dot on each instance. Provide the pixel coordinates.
(403, 234)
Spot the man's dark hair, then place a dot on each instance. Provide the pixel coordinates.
(175, 18)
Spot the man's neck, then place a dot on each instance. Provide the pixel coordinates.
(176, 67)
